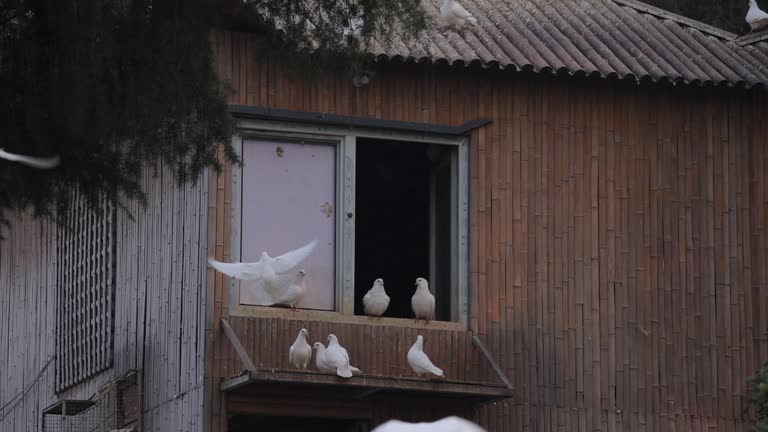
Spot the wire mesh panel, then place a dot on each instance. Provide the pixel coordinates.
(112, 409)
(99, 417)
(85, 288)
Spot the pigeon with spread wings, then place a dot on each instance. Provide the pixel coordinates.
(266, 268)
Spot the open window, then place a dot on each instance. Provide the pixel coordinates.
(381, 204)
(404, 201)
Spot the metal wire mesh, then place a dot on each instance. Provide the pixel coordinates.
(106, 412)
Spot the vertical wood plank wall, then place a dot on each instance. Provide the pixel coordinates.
(160, 298)
(618, 243)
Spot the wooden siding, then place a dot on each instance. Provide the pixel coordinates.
(618, 243)
(159, 304)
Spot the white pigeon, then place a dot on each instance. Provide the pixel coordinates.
(353, 28)
(420, 363)
(322, 364)
(423, 302)
(337, 356)
(293, 292)
(266, 268)
(756, 18)
(320, 361)
(376, 300)
(448, 424)
(300, 352)
(34, 162)
(454, 15)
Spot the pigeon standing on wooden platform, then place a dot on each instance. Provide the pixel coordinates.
(376, 300)
(266, 269)
(448, 424)
(34, 162)
(300, 352)
(320, 362)
(423, 302)
(337, 356)
(420, 363)
(454, 15)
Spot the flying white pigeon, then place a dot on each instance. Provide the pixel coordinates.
(756, 18)
(266, 268)
(300, 352)
(420, 363)
(34, 162)
(423, 302)
(448, 424)
(321, 362)
(454, 15)
(376, 300)
(337, 356)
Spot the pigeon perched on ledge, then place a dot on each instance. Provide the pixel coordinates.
(756, 18)
(454, 15)
(423, 302)
(376, 300)
(300, 352)
(420, 363)
(334, 358)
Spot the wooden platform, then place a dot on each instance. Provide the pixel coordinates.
(367, 385)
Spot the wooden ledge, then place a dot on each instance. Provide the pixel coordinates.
(368, 384)
(248, 311)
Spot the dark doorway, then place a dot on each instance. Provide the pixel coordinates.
(253, 423)
(403, 205)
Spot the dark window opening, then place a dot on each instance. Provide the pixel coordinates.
(252, 423)
(404, 207)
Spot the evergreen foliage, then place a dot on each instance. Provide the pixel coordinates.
(758, 386)
(116, 87)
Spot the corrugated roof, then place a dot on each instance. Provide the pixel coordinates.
(608, 38)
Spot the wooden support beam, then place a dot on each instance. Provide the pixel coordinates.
(479, 344)
(238, 346)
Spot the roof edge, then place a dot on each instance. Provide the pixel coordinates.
(751, 38)
(665, 14)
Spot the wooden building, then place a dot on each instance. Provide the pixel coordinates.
(584, 184)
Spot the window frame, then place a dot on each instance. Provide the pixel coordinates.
(345, 141)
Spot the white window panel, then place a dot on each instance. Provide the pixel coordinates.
(288, 199)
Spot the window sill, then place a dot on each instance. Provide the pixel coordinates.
(337, 317)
